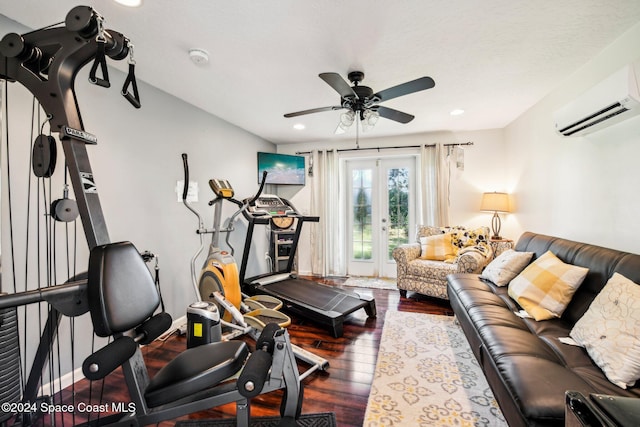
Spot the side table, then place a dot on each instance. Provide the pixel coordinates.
(500, 246)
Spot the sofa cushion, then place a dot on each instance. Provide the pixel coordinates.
(610, 331)
(437, 247)
(506, 266)
(545, 287)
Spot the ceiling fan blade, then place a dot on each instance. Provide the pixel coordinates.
(405, 89)
(391, 114)
(313, 110)
(339, 84)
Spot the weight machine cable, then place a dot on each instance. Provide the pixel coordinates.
(11, 239)
(21, 363)
(44, 227)
(44, 28)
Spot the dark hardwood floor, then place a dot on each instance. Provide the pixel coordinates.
(343, 389)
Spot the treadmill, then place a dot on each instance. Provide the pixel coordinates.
(323, 304)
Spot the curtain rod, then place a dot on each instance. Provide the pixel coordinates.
(389, 148)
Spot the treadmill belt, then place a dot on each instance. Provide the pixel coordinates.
(316, 295)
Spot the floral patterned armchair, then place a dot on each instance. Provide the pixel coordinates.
(424, 270)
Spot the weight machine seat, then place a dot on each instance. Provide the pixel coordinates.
(196, 369)
(122, 295)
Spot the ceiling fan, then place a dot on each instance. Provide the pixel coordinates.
(362, 102)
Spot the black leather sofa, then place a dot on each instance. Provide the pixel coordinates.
(527, 367)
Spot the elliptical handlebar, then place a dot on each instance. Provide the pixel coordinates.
(185, 192)
(264, 181)
(185, 165)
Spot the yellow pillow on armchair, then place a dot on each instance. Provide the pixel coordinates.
(437, 247)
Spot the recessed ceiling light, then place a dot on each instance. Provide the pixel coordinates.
(457, 112)
(299, 126)
(129, 3)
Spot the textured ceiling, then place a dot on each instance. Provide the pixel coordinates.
(493, 58)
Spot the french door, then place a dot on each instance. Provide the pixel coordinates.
(380, 212)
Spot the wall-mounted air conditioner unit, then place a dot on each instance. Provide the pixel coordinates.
(611, 101)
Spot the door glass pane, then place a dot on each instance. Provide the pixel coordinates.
(398, 202)
(361, 226)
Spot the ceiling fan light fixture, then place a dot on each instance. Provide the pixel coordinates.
(369, 119)
(346, 120)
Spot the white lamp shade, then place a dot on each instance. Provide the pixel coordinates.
(495, 202)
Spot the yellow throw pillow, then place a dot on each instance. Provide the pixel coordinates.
(546, 286)
(437, 248)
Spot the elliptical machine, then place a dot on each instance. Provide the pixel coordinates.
(218, 281)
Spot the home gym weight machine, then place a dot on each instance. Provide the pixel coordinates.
(218, 281)
(326, 305)
(118, 290)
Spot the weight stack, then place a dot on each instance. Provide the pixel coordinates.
(203, 324)
(9, 360)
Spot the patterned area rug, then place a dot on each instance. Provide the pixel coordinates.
(371, 282)
(426, 375)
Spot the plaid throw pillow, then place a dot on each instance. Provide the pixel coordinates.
(437, 247)
(546, 286)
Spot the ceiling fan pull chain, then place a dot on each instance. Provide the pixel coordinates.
(131, 81)
(100, 58)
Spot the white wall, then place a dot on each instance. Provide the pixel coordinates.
(136, 165)
(581, 188)
(484, 170)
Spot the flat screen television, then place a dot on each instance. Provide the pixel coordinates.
(281, 168)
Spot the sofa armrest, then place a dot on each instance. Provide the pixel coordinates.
(403, 254)
(473, 261)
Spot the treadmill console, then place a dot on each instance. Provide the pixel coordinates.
(272, 205)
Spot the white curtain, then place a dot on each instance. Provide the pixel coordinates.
(433, 191)
(327, 236)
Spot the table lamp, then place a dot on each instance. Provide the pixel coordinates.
(497, 203)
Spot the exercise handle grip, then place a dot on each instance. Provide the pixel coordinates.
(134, 99)
(185, 165)
(104, 361)
(255, 373)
